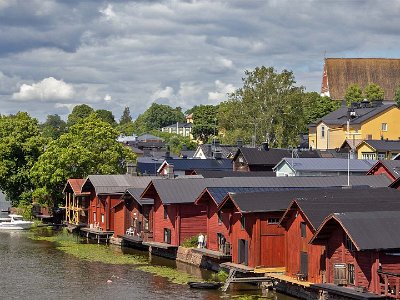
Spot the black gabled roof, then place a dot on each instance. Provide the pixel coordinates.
(183, 164)
(384, 145)
(368, 230)
(273, 199)
(319, 204)
(187, 190)
(270, 157)
(231, 173)
(135, 194)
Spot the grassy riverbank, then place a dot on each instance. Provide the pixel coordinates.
(73, 245)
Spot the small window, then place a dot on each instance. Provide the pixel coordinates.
(167, 236)
(350, 274)
(243, 222)
(368, 155)
(381, 156)
(322, 131)
(384, 126)
(102, 218)
(349, 244)
(303, 230)
(165, 213)
(94, 217)
(219, 218)
(273, 221)
(369, 137)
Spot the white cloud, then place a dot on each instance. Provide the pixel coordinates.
(108, 12)
(167, 92)
(221, 91)
(107, 98)
(46, 90)
(69, 106)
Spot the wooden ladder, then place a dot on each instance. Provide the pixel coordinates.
(232, 273)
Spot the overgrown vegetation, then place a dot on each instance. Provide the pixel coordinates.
(190, 242)
(171, 274)
(221, 276)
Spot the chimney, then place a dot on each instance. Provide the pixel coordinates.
(167, 154)
(265, 146)
(239, 143)
(146, 152)
(218, 155)
(170, 171)
(131, 169)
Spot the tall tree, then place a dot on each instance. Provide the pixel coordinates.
(126, 116)
(317, 106)
(204, 122)
(53, 127)
(158, 116)
(397, 96)
(106, 116)
(89, 147)
(269, 104)
(353, 94)
(79, 112)
(374, 92)
(21, 144)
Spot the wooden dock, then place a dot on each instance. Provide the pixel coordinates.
(96, 234)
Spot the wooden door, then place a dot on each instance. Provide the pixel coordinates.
(272, 251)
(243, 253)
(304, 263)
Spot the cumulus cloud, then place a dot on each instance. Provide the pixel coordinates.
(108, 12)
(49, 89)
(221, 91)
(107, 98)
(167, 92)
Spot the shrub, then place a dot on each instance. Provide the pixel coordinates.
(190, 242)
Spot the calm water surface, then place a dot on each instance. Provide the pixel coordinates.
(31, 269)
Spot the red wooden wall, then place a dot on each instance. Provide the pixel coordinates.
(380, 169)
(296, 244)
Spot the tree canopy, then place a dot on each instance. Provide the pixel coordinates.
(106, 116)
(126, 116)
(204, 122)
(158, 116)
(397, 96)
(353, 94)
(175, 142)
(317, 106)
(89, 147)
(373, 92)
(269, 105)
(21, 144)
(53, 127)
(78, 113)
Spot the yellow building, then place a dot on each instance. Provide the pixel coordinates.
(363, 121)
(378, 149)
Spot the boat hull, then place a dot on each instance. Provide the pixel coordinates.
(15, 226)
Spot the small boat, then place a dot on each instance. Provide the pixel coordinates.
(205, 285)
(14, 222)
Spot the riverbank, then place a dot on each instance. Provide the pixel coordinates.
(49, 267)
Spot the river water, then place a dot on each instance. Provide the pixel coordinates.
(32, 269)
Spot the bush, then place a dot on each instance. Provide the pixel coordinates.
(221, 276)
(190, 242)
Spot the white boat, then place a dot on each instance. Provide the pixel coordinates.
(14, 222)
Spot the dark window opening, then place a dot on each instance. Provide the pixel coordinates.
(243, 222)
(303, 230)
(165, 213)
(350, 274)
(273, 220)
(219, 218)
(167, 235)
(349, 244)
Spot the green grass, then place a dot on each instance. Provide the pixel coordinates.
(171, 274)
(70, 244)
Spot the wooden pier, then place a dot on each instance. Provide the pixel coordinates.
(97, 234)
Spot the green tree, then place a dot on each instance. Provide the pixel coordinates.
(89, 147)
(175, 142)
(317, 106)
(21, 144)
(269, 104)
(53, 127)
(158, 116)
(374, 92)
(79, 112)
(204, 122)
(353, 94)
(397, 96)
(106, 116)
(126, 116)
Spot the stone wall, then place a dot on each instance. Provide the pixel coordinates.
(187, 255)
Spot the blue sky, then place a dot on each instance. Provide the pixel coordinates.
(112, 54)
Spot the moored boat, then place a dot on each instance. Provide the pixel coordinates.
(205, 285)
(14, 222)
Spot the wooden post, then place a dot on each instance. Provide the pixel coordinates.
(386, 284)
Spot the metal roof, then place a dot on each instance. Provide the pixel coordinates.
(327, 164)
(270, 157)
(187, 190)
(114, 184)
(231, 173)
(393, 167)
(340, 116)
(135, 194)
(319, 204)
(372, 229)
(183, 164)
(383, 145)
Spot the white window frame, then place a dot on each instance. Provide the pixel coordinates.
(384, 126)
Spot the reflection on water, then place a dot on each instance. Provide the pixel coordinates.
(36, 269)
